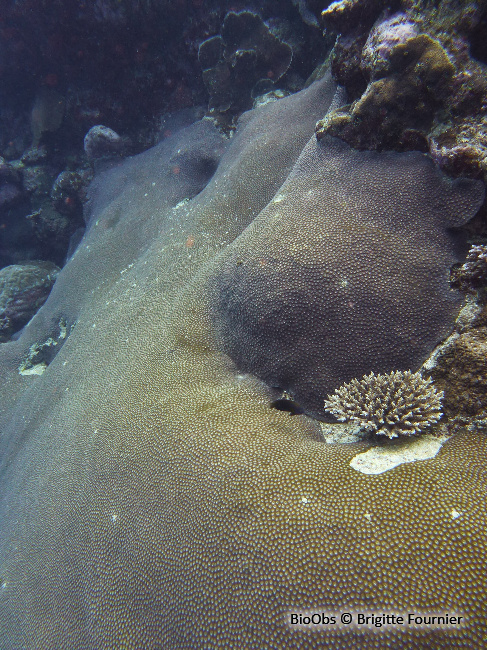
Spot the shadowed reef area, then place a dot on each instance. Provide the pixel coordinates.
(150, 497)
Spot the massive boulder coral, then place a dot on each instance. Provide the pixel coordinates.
(151, 497)
(345, 271)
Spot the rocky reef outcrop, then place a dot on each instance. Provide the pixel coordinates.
(415, 73)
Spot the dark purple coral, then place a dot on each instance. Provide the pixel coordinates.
(345, 272)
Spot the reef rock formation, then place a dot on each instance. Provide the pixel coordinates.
(242, 62)
(416, 79)
(409, 78)
(472, 275)
(23, 289)
(150, 496)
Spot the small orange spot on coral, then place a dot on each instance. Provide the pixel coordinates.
(262, 261)
(190, 242)
(176, 169)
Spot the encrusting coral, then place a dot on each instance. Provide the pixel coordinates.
(397, 403)
(409, 76)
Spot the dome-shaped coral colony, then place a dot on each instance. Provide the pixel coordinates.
(345, 271)
(151, 498)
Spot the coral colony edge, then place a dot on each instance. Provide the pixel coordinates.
(251, 405)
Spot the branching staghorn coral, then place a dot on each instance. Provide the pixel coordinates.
(397, 403)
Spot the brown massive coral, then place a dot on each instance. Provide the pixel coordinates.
(151, 498)
(345, 271)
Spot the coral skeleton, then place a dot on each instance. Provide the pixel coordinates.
(397, 403)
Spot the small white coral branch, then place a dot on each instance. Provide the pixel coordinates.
(397, 403)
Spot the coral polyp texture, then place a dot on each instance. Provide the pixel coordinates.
(345, 271)
(150, 497)
(393, 404)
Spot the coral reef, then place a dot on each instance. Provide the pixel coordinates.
(9, 184)
(151, 495)
(461, 370)
(102, 142)
(146, 481)
(67, 193)
(242, 62)
(341, 16)
(379, 51)
(459, 365)
(123, 64)
(130, 66)
(40, 208)
(397, 403)
(124, 69)
(472, 274)
(408, 75)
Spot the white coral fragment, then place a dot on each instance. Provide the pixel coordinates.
(383, 458)
(397, 403)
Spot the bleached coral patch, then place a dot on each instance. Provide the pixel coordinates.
(381, 459)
